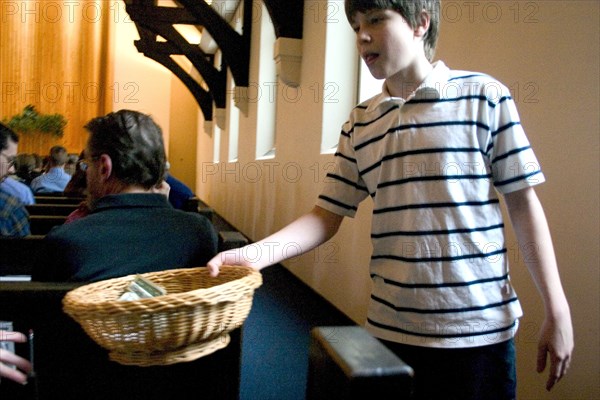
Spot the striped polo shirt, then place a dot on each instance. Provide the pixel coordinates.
(432, 165)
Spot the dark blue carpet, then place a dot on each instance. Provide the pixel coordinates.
(277, 336)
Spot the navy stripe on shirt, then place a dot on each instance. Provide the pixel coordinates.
(436, 232)
(442, 311)
(469, 332)
(443, 285)
(438, 259)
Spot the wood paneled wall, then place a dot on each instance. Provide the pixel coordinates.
(56, 56)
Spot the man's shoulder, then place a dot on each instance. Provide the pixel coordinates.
(8, 202)
(18, 189)
(37, 179)
(192, 217)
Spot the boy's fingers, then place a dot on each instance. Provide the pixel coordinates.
(555, 374)
(213, 270)
(541, 359)
(558, 367)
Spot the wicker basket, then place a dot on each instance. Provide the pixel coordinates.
(192, 320)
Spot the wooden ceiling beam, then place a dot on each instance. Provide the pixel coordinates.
(155, 21)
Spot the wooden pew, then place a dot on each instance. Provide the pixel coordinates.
(20, 254)
(346, 362)
(41, 224)
(51, 209)
(194, 204)
(70, 366)
(42, 199)
(229, 240)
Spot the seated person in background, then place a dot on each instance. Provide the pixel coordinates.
(77, 185)
(71, 163)
(39, 165)
(14, 219)
(55, 179)
(25, 165)
(17, 184)
(130, 228)
(8, 358)
(179, 193)
(17, 189)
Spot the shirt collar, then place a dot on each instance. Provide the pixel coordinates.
(428, 89)
(131, 200)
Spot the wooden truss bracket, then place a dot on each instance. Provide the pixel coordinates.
(159, 40)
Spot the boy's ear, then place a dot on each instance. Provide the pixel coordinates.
(422, 24)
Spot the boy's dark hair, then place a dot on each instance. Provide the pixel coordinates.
(5, 134)
(410, 11)
(134, 143)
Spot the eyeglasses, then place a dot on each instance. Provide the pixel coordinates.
(10, 160)
(84, 164)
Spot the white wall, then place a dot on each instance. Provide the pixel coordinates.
(140, 83)
(548, 53)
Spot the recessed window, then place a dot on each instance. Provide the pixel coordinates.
(367, 85)
(264, 92)
(232, 125)
(338, 90)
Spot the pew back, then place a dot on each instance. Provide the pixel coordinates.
(51, 209)
(47, 199)
(20, 254)
(41, 224)
(347, 363)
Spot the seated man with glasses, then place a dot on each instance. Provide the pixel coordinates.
(14, 219)
(130, 228)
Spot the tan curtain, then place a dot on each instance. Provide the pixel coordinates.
(55, 55)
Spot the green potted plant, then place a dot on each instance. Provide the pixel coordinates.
(30, 121)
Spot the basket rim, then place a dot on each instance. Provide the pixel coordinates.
(253, 279)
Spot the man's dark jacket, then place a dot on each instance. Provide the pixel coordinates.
(126, 234)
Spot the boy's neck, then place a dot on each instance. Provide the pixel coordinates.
(405, 82)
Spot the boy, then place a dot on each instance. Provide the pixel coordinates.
(432, 150)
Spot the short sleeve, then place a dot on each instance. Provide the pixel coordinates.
(514, 164)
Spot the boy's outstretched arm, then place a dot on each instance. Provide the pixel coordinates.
(533, 235)
(304, 234)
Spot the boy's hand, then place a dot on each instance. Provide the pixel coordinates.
(556, 341)
(229, 257)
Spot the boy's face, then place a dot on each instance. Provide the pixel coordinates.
(386, 43)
